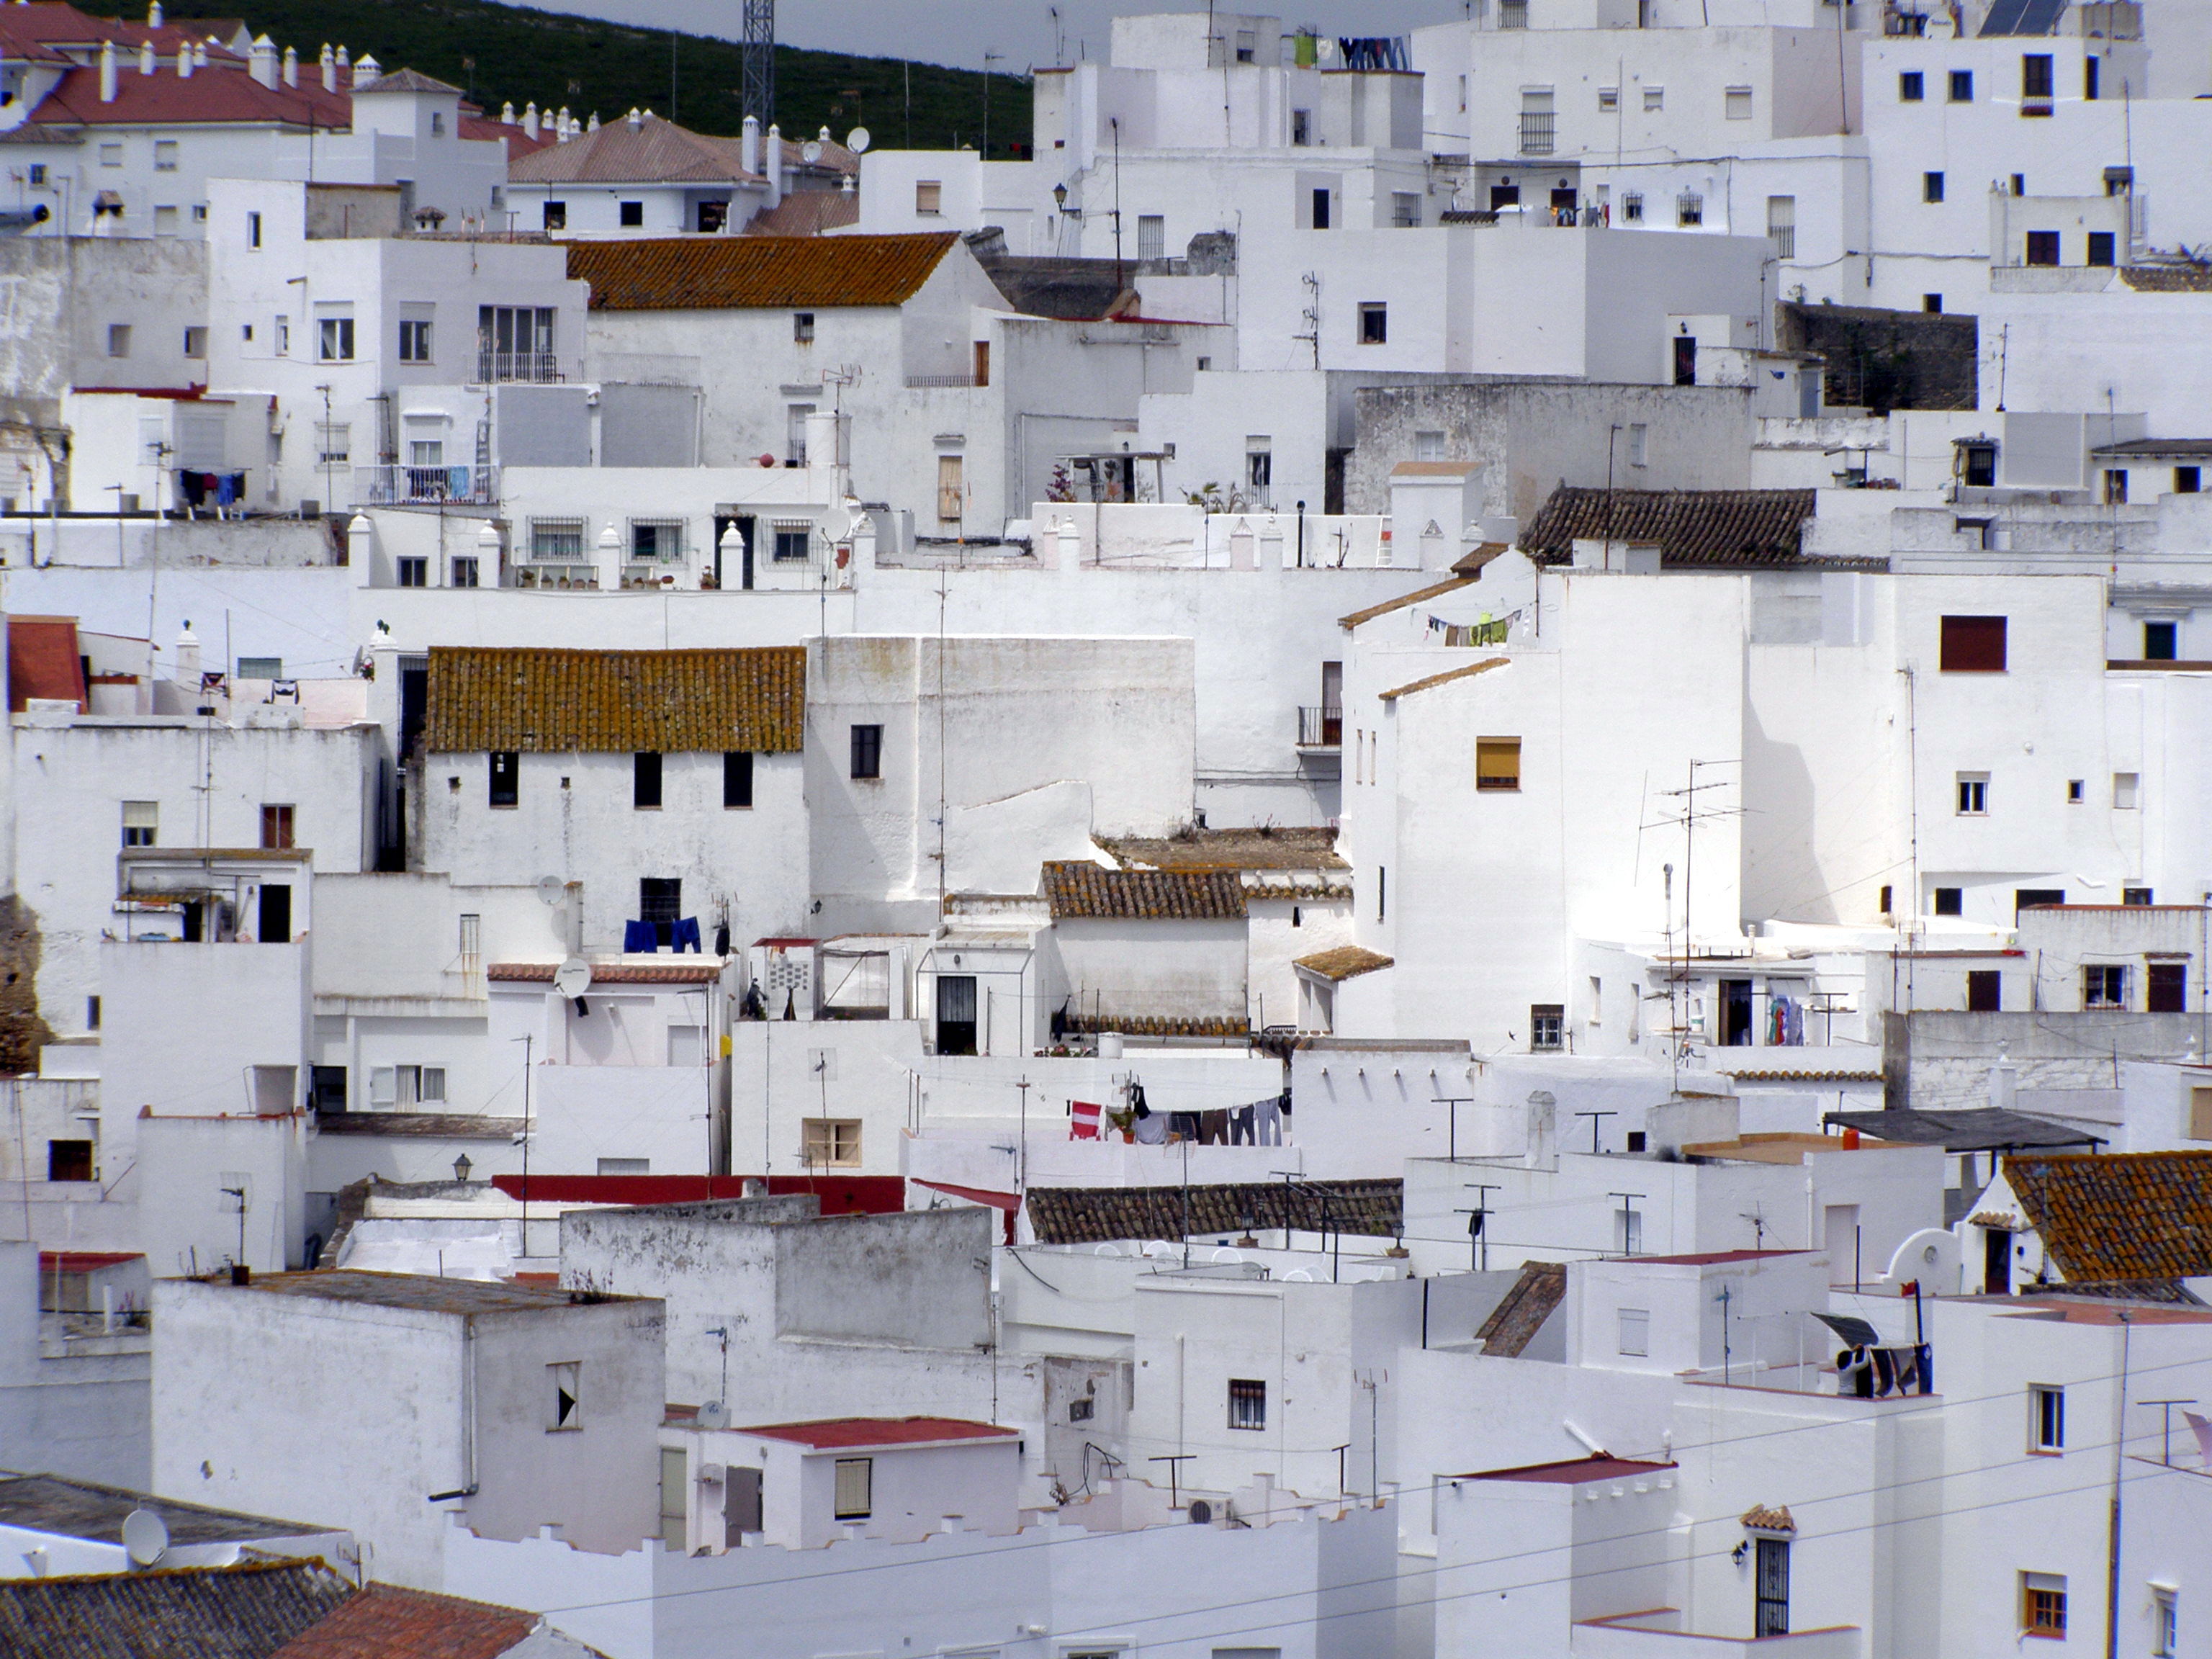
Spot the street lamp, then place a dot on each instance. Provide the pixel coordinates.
(461, 1168)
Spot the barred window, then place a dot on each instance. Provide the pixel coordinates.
(554, 540)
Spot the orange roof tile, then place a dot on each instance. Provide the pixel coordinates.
(388, 1622)
(1085, 892)
(1345, 962)
(738, 272)
(668, 703)
(2119, 1215)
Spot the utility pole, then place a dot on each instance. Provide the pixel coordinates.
(989, 58)
(526, 1040)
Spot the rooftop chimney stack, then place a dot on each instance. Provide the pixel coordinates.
(154, 15)
(366, 72)
(262, 61)
(184, 62)
(774, 164)
(107, 71)
(344, 70)
(749, 145)
(291, 67)
(145, 58)
(330, 69)
(507, 113)
(530, 120)
(636, 120)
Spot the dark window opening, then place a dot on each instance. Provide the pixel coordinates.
(69, 1160)
(2103, 248)
(2043, 247)
(660, 903)
(633, 214)
(737, 778)
(1321, 209)
(1772, 1571)
(556, 216)
(1248, 1403)
(1996, 1263)
(275, 914)
(1962, 86)
(1547, 1027)
(1931, 186)
(1950, 900)
(645, 780)
(506, 777)
(2028, 898)
(2160, 641)
(1735, 1013)
(1911, 86)
(955, 1013)
(1984, 991)
(2188, 480)
(2035, 74)
(2167, 987)
(867, 751)
(1972, 645)
(1686, 360)
(1979, 466)
(326, 1090)
(1374, 324)
(275, 827)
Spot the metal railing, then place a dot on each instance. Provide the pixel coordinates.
(539, 366)
(392, 486)
(1321, 728)
(1537, 132)
(926, 382)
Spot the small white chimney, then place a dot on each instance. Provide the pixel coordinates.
(185, 63)
(748, 144)
(145, 58)
(529, 119)
(507, 113)
(366, 72)
(636, 120)
(187, 671)
(330, 69)
(774, 164)
(107, 71)
(154, 15)
(261, 62)
(342, 72)
(824, 136)
(199, 54)
(593, 124)
(291, 67)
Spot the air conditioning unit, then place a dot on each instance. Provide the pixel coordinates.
(786, 973)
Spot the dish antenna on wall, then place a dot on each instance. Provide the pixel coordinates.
(145, 1538)
(838, 523)
(858, 141)
(572, 978)
(714, 1415)
(811, 151)
(552, 889)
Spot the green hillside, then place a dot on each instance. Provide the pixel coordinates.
(504, 52)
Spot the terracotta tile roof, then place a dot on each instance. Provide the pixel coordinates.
(847, 1431)
(1097, 1215)
(245, 1611)
(1159, 1026)
(737, 272)
(43, 661)
(1294, 847)
(1575, 1471)
(655, 152)
(421, 1126)
(544, 701)
(1743, 529)
(2119, 1215)
(806, 213)
(1759, 1518)
(1079, 892)
(388, 1622)
(2168, 279)
(1467, 672)
(1433, 590)
(476, 125)
(222, 93)
(696, 971)
(1345, 962)
(1514, 1322)
(407, 79)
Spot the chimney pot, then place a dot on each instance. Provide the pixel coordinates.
(145, 58)
(107, 71)
(291, 67)
(154, 15)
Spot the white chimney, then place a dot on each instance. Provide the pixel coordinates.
(107, 71)
(145, 58)
(187, 671)
(1543, 1144)
(330, 69)
(749, 145)
(199, 54)
(366, 72)
(154, 15)
(774, 164)
(529, 119)
(185, 63)
(825, 135)
(507, 113)
(291, 67)
(261, 62)
(342, 70)
(635, 119)
(593, 124)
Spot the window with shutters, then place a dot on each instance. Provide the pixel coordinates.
(830, 1143)
(929, 198)
(951, 491)
(141, 820)
(1972, 645)
(855, 1490)
(2043, 1604)
(1151, 235)
(1782, 225)
(1634, 1334)
(1497, 764)
(276, 825)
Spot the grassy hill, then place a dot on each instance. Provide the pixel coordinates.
(504, 52)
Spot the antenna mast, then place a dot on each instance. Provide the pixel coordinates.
(757, 95)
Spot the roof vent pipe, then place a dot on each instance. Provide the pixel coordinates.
(107, 71)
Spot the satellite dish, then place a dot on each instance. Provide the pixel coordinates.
(145, 1538)
(551, 888)
(573, 977)
(811, 151)
(858, 141)
(714, 1415)
(838, 523)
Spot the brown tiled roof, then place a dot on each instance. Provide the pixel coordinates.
(388, 1622)
(1083, 892)
(1433, 590)
(1730, 528)
(1521, 1313)
(735, 272)
(806, 213)
(43, 661)
(696, 971)
(2119, 1215)
(2168, 279)
(1759, 1518)
(1095, 1215)
(245, 1611)
(1467, 671)
(655, 152)
(1295, 847)
(1161, 1025)
(406, 80)
(1345, 962)
(670, 702)
(422, 1126)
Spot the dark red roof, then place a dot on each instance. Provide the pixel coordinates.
(840, 1195)
(1573, 1471)
(387, 1622)
(1734, 529)
(43, 661)
(844, 1432)
(223, 92)
(83, 1262)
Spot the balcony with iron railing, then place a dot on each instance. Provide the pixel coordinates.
(1538, 132)
(537, 368)
(1321, 728)
(425, 486)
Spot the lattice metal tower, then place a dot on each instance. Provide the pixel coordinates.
(758, 94)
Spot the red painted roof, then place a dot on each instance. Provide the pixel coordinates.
(223, 92)
(387, 1622)
(844, 1434)
(43, 661)
(83, 1262)
(840, 1195)
(1573, 1471)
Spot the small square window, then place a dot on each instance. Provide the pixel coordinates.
(1374, 324)
(1635, 1331)
(1609, 99)
(1962, 86)
(1984, 991)
(566, 1406)
(414, 570)
(277, 826)
(2127, 791)
(830, 1143)
(1911, 86)
(1248, 1403)
(2103, 248)
(867, 751)
(141, 819)
(1973, 794)
(631, 215)
(2077, 791)
(164, 155)
(2043, 1604)
(415, 340)
(1978, 465)
(1497, 764)
(2035, 74)
(1547, 1028)
(1950, 900)
(1736, 103)
(854, 1496)
(1655, 98)
(1972, 645)
(555, 217)
(334, 339)
(69, 1160)
(2104, 985)
(1932, 304)
(1631, 207)
(2160, 641)
(464, 570)
(2042, 247)
(802, 328)
(2188, 480)
(928, 197)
